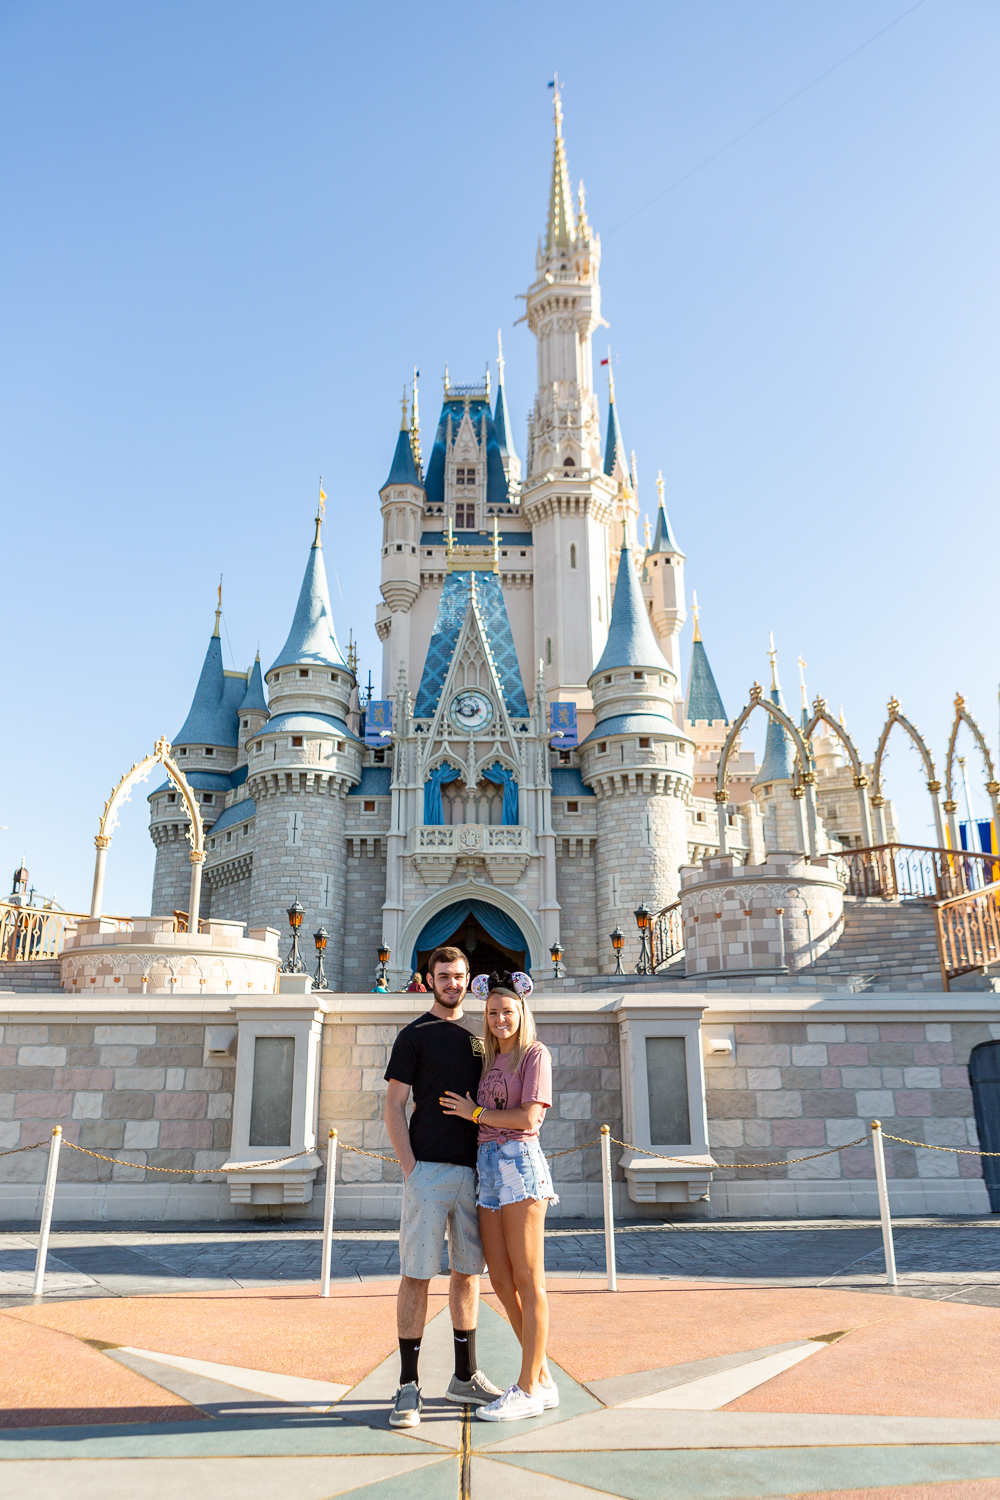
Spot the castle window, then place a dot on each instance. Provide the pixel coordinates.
(572, 807)
(465, 476)
(399, 548)
(229, 837)
(568, 462)
(767, 791)
(171, 796)
(246, 723)
(524, 554)
(602, 747)
(182, 752)
(503, 554)
(209, 750)
(572, 546)
(211, 843)
(431, 554)
(644, 744)
(246, 829)
(548, 649)
(206, 798)
(378, 756)
(303, 671)
(638, 676)
(607, 679)
(294, 835)
(732, 820)
(465, 517)
(334, 677)
(296, 742)
(564, 757)
(699, 817)
(369, 807)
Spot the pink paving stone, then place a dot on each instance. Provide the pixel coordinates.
(830, 1078)
(901, 1031)
(8, 1057)
(857, 1161)
(929, 1053)
(799, 1132)
(180, 1106)
(848, 1054)
(83, 1078)
(751, 1033)
(970, 1166)
(911, 1102)
(33, 1131)
(197, 1134)
(954, 1078)
(44, 1105)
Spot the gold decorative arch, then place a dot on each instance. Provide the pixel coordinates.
(821, 716)
(933, 785)
(804, 783)
(962, 715)
(121, 794)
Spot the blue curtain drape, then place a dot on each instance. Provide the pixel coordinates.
(501, 928)
(433, 812)
(500, 776)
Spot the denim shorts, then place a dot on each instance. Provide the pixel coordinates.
(512, 1172)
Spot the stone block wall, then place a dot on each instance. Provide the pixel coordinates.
(576, 892)
(366, 874)
(138, 1093)
(284, 871)
(172, 873)
(641, 845)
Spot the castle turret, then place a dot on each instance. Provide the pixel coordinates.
(772, 786)
(504, 429)
(637, 761)
(402, 498)
(253, 712)
(663, 586)
(302, 763)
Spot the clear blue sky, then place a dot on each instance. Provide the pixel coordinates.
(232, 229)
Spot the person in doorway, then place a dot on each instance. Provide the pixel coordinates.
(437, 1152)
(416, 985)
(515, 1184)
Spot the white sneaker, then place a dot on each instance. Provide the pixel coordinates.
(550, 1395)
(512, 1406)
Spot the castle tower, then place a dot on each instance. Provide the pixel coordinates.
(638, 762)
(253, 711)
(772, 786)
(567, 498)
(402, 498)
(207, 749)
(663, 586)
(302, 763)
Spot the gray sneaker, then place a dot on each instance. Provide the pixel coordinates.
(475, 1392)
(406, 1407)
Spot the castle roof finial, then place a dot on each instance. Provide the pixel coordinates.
(403, 422)
(562, 222)
(218, 609)
(695, 612)
(772, 657)
(415, 427)
(802, 683)
(320, 513)
(663, 537)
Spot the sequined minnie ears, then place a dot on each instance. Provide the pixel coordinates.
(520, 983)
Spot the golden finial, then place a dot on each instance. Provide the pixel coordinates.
(162, 747)
(843, 721)
(634, 471)
(773, 659)
(649, 535)
(819, 704)
(415, 422)
(659, 486)
(402, 425)
(756, 693)
(959, 702)
(611, 379)
(695, 613)
(893, 705)
(802, 682)
(500, 359)
(218, 608)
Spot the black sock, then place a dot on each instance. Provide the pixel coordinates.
(409, 1353)
(465, 1353)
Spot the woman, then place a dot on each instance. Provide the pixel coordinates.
(515, 1185)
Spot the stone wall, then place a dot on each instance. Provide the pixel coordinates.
(172, 873)
(366, 871)
(290, 865)
(641, 845)
(576, 892)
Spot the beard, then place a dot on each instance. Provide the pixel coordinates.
(450, 1002)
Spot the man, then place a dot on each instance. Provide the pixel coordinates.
(438, 1155)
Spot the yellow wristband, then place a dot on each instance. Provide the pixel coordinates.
(476, 1113)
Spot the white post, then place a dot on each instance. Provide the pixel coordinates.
(101, 843)
(47, 1202)
(328, 1214)
(197, 858)
(609, 1209)
(883, 1203)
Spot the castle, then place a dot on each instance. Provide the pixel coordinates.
(535, 767)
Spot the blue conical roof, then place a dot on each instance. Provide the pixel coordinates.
(703, 700)
(404, 468)
(312, 640)
(663, 536)
(254, 702)
(779, 756)
(631, 642)
(211, 719)
(502, 423)
(616, 443)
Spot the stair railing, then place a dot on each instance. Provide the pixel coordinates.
(667, 935)
(968, 932)
(912, 872)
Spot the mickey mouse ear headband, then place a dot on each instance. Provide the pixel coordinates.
(521, 984)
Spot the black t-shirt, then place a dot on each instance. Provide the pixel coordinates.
(433, 1055)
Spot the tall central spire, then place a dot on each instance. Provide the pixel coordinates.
(562, 219)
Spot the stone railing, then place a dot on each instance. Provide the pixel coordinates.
(504, 848)
(767, 918)
(154, 958)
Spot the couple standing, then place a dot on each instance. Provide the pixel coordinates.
(472, 1164)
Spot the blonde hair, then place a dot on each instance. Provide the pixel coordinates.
(526, 1033)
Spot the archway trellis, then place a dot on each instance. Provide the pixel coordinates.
(803, 787)
(822, 716)
(141, 771)
(933, 785)
(962, 716)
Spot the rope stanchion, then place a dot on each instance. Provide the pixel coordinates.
(888, 1248)
(328, 1213)
(48, 1199)
(246, 1166)
(609, 1210)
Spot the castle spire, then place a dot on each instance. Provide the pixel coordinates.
(562, 220)
(615, 465)
(777, 763)
(702, 700)
(663, 536)
(631, 642)
(405, 467)
(415, 429)
(312, 639)
(501, 417)
(218, 609)
(695, 612)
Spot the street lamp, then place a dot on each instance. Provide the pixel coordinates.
(384, 954)
(293, 963)
(556, 953)
(644, 922)
(617, 943)
(319, 938)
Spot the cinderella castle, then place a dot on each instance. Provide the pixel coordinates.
(538, 764)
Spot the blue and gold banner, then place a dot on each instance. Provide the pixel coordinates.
(378, 723)
(562, 725)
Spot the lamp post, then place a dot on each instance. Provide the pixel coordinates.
(556, 953)
(644, 922)
(617, 943)
(293, 963)
(320, 937)
(384, 954)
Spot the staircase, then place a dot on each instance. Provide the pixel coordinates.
(886, 945)
(37, 977)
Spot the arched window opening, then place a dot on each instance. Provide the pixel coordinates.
(572, 554)
(548, 650)
(568, 462)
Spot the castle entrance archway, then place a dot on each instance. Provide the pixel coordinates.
(488, 937)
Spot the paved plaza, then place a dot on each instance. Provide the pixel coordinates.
(735, 1360)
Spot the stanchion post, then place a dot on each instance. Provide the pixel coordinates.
(328, 1213)
(883, 1203)
(47, 1202)
(609, 1209)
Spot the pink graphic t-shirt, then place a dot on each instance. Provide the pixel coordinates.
(506, 1088)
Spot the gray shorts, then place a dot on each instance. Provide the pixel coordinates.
(438, 1197)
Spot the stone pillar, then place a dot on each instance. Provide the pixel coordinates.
(194, 902)
(861, 782)
(934, 787)
(878, 804)
(101, 844)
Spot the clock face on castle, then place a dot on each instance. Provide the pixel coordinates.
(471, 711)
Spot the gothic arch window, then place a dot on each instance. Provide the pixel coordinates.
(568, 462)
(572, 554)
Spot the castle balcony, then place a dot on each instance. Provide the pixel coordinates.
(158, 956)
(505, 849)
